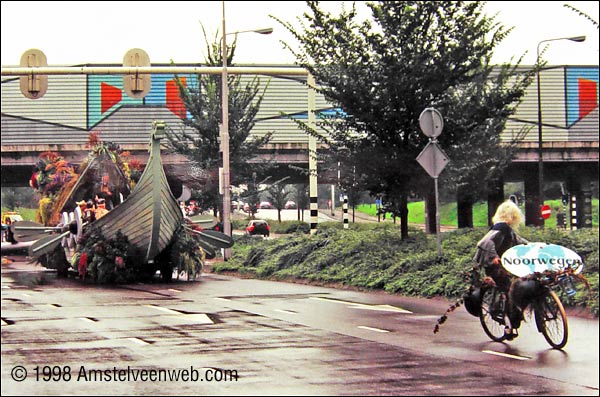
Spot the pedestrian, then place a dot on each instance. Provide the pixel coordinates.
(560, 219)
(10, 237)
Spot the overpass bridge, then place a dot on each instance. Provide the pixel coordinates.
(77, 105)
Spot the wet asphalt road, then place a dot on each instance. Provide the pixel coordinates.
(223, 335)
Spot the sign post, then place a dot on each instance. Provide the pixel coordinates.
(432, 158)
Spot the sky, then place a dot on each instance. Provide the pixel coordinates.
(96, 32)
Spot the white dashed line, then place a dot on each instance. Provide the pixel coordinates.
(372, 329)
(163, 309)
(285, 311)
(138, 341)
(506, 355)
(363, 306)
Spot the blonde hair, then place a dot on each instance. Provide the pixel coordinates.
(510, 213)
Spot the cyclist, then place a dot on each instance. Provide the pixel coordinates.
(502, 236)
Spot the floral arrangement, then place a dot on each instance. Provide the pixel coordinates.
(53, 171)
(54, 176)
(106, 260)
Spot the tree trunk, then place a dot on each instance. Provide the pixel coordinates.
(430, 208)
(403, 217)
(464, 209)
(495, 198)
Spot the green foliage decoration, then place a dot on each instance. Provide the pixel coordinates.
(186, 254)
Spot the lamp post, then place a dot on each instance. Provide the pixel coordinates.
(225, 130)
(540, 134)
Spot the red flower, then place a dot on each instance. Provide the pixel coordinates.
(120, 262)
(82, 265)
(33, 181)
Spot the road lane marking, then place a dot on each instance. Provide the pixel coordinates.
(87, 319)
(363, 306)
(193, 318)
(381, 308)
(138, 341)
(285, 311)
(222, 299)
(163, 309)
(372, 329)
(514, 357)
(173, 290)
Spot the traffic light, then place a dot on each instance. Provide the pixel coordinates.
(33, 86)
(136, 85)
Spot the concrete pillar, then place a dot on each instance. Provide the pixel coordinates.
(533, 216)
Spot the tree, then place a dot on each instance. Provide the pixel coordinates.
(583, 14)
(302, 200)
(200, 143)
(278, 196)
(384, 73)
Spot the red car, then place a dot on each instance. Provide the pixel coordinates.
(258, 226)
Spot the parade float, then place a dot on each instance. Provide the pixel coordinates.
(113, 222)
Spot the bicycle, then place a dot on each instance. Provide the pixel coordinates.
(548, 311)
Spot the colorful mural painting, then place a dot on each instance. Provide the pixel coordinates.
(106, 95)
(582, 92)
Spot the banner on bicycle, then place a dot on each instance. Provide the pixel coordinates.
(525, 259)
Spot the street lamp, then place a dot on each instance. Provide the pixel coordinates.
(225, 130)
(539, 110)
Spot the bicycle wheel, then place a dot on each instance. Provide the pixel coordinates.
(551, 320)
(492, 314)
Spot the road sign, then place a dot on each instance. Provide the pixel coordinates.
(433, 159)
(546, 211)
(431, 122)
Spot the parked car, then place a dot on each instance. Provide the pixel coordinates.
(290, 205)
(265, 205)
(9, 218)
(219, 227)
(258, 226)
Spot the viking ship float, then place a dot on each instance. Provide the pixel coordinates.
(151, 215)
(149, 219)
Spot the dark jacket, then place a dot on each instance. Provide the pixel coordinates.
(500, 238)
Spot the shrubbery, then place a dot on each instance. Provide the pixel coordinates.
(372, 256)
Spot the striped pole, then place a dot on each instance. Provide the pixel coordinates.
(573, 212)
(312, 157)
(345, 211)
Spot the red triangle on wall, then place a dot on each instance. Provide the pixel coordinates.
(109, 96)
(588, 99)
(174, 102)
